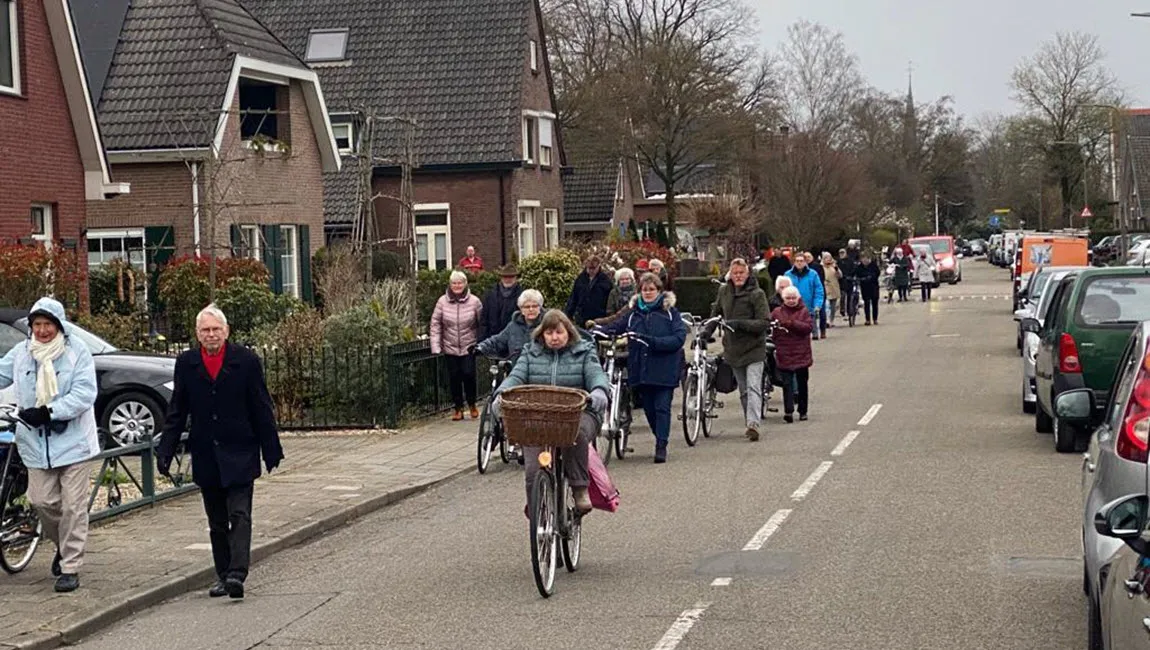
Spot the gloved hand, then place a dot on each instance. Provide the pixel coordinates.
(272, 462)
(36, 417)
(497, 407)
(164, 465)
(599, 400)
(589, 325)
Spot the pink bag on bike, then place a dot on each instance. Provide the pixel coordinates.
(602, 491)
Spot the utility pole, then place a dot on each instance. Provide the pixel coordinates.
(936, 214)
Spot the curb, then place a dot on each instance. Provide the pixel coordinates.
(74, 628)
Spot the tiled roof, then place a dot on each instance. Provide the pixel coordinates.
(98, 24)
(1140, 157)
(589, 191)
(456, 66)
(701, 179)
(171, 68)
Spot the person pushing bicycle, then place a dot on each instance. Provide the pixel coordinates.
(743, 306)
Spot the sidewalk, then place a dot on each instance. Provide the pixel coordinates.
(145, 557)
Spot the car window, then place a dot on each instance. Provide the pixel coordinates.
(10, 337)
(1115, 299)
(1124, 381)
(1057, 306)
(1038, 282)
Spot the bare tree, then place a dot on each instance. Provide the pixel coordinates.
(822, 81)
(1056, 88)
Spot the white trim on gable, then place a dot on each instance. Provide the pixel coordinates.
(244, 66)
(97, 179)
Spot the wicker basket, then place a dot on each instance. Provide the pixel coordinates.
(542, 416)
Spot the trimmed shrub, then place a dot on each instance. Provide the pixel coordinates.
(121, 330)
(696, 295)
(116, 287)
(251, 306)
(28, 273)
(432, 284)
(553, 274)
(185, 289)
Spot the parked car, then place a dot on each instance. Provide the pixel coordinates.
(1036, 304)
(134, 387)
(1090, 318)
(949, 265)
(977, 247)
(1137, 255)
(1115, 577)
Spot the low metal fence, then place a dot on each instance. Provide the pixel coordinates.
(137, 464)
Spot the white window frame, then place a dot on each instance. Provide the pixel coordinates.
(48, 219)
(431, 231)
(121, 234)
(289, 261)
(251, 238)
(338, 126)
(551, 228)
(530, 138)
(534, 48)
(14, 36)
(525, 228)
(546, 140)
(326, 59)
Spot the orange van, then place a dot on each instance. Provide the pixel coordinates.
(1052, 250)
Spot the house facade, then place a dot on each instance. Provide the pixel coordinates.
(231, 165)
(467, 82)
(47, 176)
(1133, 175)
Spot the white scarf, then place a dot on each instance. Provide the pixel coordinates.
(45, 354)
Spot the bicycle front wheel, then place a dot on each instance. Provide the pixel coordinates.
(692, 410)
(486, 442)
(625, 417)
(20, 528)
(543, 537)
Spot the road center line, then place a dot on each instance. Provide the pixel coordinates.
(812, 480)
(874, 409)
(767, 530)
(844, 443)
(681, 626)
(721, 582)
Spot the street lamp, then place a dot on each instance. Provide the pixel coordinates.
(948, 204)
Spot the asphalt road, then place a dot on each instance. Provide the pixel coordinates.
(945, 523)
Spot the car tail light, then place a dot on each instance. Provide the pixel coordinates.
(1133, 441)
(1068, 354)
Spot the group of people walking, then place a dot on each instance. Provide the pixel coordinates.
(827, 289)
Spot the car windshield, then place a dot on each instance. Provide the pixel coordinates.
(1037, 285)
(940, 245)
(96, 345)
(1118, 299)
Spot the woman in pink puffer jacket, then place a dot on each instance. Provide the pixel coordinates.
(454, 332)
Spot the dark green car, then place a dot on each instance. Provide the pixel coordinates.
(1089, 321)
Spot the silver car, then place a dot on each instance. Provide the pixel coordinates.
(1035, 305)
(1114, 467)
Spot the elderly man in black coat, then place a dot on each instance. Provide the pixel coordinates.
(221, 387)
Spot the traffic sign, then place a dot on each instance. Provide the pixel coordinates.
(1002, 211)
(1086, 213)
(994, 221)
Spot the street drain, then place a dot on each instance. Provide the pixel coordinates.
(747, 563)
(1054, 567)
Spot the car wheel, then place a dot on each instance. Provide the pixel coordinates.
(1029, 407)
(1043, 423)
(1094, 625)
(1065, 437)
(130, 417)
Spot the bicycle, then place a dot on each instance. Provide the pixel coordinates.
(770, 369)
(853, 303)
(490, 428)
(617, 423)
(555, 525)
(20, 527)
(699, 395)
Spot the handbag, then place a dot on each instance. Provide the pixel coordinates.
(725, 381)
(601, 489)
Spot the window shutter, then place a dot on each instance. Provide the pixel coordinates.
(271, 254)
(237, 241)
(305, 289)
(545, 132)
(159, 247)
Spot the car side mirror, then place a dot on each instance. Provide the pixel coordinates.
(1123, 518)
(1031, 325)
(1019, 314)
(1075, 406)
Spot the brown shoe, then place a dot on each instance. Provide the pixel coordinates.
(582, 499)
(752, 434)
(458, 415)
(474, 413)
(822, 335)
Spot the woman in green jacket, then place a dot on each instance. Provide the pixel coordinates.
(557, 356)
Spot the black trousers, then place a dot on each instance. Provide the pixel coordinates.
(925, 288)
(229, 513)
(795, 390)
(461, 377)
(903, 292)
(870, 303)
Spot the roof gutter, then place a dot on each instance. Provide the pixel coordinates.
(386, 170)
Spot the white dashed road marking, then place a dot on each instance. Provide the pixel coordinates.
(873, 411)
(767, 530)
(803, 490)
(720, 582)
(681, 626)
(844, 443)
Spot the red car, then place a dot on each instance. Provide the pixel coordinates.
(949, 266)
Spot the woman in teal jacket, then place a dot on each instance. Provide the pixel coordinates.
(557, 356)
(55, 385)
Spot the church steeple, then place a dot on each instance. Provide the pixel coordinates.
(910, 116)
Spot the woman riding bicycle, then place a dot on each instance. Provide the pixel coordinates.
(557, 356)
(509, 343)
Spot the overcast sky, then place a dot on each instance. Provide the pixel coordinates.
(967, 49)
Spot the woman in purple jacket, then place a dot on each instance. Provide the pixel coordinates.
(454, 333)
(793, 351)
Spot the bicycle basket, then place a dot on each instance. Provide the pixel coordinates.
(542, 416)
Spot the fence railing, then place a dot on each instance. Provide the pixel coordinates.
(137, 464)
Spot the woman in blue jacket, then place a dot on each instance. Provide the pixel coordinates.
(654, 354)
(55, 385)
(810, 287)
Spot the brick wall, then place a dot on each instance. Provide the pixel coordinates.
(161, 196)
(39, 158)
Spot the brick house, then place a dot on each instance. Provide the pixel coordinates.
(179, 81)
(46, 176)
(598, 195)
(474, 76)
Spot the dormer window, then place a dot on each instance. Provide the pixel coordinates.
(326, 45)
(344, 136)
(260, 111)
